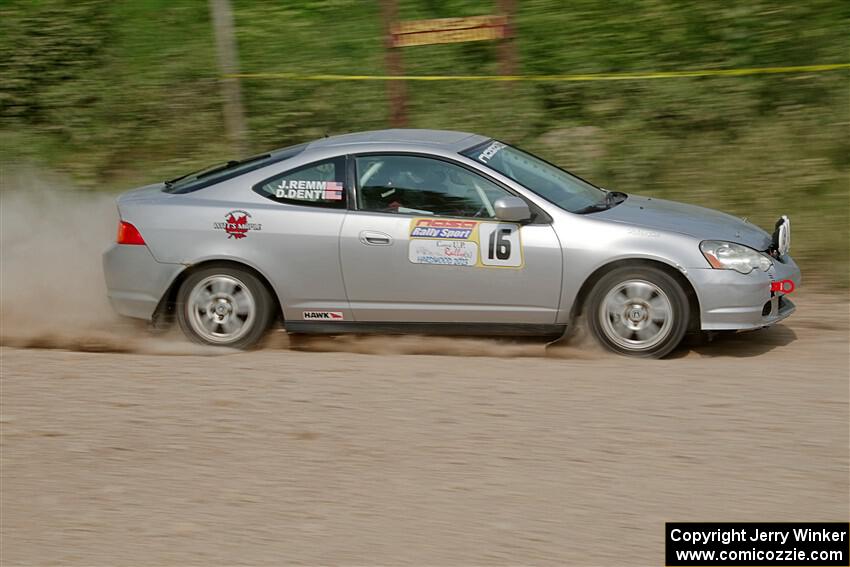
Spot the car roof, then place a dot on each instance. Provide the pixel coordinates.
(411, 138)
(445, 139)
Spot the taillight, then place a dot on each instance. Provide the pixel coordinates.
(128, 234)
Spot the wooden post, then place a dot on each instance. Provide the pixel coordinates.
(396, 90)
(228, 63)
(507, 46)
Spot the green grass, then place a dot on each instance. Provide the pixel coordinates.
(122, 93)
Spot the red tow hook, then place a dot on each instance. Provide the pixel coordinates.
(783, 286)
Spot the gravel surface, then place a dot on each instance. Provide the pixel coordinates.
(493, 454)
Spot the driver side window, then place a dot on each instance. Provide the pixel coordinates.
(423, 186)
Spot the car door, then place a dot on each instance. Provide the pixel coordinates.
(299, 241)
(423, 245)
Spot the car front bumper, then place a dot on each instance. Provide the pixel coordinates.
(733, 301)
(135, 281)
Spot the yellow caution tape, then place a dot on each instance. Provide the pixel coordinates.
(545, 78)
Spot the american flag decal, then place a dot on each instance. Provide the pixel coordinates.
(333, 191)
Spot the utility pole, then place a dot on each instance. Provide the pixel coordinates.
(395, 88)
(228, 63)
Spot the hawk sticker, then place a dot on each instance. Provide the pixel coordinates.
(324, 315)
(237, 224)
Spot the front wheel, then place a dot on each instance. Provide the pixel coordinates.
(638, 311)
(224, 306)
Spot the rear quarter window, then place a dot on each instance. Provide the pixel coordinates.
(320, 184)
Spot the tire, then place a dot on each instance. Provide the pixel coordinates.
(224, 306)
(638, 311)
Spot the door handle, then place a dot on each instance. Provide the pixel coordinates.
(375, 238)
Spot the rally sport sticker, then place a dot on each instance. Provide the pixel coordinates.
(443, 252)
(237, 224)
(449, 242)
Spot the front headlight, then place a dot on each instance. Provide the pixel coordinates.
(731, 256)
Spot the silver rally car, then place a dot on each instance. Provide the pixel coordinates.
(439, 232)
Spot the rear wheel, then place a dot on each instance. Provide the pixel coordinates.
(224, 306)
(638, 311)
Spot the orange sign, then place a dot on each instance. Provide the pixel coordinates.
(448, 30)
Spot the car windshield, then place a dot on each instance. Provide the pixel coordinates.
(552, 183)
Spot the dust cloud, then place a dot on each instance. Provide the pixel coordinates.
(51, 281)
(576, 345)
(52, 291)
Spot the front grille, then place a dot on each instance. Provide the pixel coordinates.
(765, 311)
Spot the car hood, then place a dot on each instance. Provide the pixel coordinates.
(699, 222)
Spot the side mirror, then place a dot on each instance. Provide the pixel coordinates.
(511, 209)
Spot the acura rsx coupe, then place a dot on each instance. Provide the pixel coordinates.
(437, 232)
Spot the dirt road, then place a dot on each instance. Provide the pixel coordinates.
(340, 458)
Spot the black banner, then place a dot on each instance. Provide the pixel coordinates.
(745, 544)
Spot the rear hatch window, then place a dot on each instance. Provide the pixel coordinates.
(223, 171)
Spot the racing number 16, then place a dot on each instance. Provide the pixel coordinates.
(503, 246)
